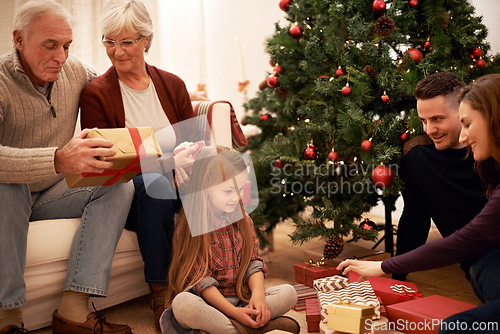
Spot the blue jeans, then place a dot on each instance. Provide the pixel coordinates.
(482, 319)
(484, 277)
(153, 221)
(103, 211)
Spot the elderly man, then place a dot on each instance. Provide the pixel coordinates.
(39, 93)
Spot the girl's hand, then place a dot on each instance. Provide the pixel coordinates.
(260, 305)
(245, 315)
(364, 268)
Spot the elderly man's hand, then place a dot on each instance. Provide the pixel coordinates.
(80, 154)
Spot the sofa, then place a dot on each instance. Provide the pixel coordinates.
(49, 243)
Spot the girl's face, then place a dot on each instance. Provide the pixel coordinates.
(224, 196)
(475, 132)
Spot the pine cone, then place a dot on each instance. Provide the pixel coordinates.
(263, 85)
(281, 92)
(384, 26)
(333, 247)
(371, 72)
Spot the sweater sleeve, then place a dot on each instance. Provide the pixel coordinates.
(92, 112)
(415, 221)
(476, 239)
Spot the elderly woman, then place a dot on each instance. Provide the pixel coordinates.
(133, 93)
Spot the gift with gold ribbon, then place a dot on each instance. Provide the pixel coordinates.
(307, 272)
(349, 318)
(135, 148)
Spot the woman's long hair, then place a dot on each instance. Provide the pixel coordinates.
(483, 95)
(212, 166)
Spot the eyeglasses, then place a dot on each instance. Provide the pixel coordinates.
(110, 44)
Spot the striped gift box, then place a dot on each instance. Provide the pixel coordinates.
(303, 292)
(355, 293)
(330, 283)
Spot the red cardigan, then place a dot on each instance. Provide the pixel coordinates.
(101, 100)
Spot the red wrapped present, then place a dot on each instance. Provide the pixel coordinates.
(424, 315)
(183, 146)
(313, 315)
(306, 273)
(303, 292)
(390, 291)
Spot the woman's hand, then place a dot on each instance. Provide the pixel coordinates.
(259, 304)
(181, 179)
(245, 316)
(364, 268)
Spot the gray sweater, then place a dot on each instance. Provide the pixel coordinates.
(29, 133)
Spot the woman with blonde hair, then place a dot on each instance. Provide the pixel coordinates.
(480, 238)
(216, 278)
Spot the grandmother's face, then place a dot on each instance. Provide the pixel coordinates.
(130, 58)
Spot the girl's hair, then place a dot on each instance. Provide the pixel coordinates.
(211, 167)
(483, 95)
(32, 10)
(131, 15)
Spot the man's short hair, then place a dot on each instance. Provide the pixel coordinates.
(436, 84)
(33, 9)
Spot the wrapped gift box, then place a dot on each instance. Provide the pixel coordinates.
(135, 147)
(355, 293)
(313, 315)
(424, 315)
(330, 283)
(350, 318)
(390, 291)
(303, 292)
(306, 273)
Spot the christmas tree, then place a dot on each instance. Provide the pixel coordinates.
(338, 105)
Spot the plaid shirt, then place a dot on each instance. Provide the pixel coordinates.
(226, 248)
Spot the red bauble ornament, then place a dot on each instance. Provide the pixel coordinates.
(378, 6)
(339, 72)
(368, 225)
(416, 55)
(382, 175)
(285, 5)
(366, 145)
(278, 69)
(480, 64)
(272, 81)
(296, 31)
(265, 117)
(477, 53)
(333, 156)
(346, 90)
(310, 152)
(413, 4)
(427, 45)
(404, 136)
(385, 98)
(278, 163)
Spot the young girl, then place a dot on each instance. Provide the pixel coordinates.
(480, 116)
(216, 279)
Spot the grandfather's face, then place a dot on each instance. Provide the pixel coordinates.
(44, 48)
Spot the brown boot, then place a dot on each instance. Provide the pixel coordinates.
(282, 323)
(12, 330)
(244, 329)
(158, 293)
(96, 323)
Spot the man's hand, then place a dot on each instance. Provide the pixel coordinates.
(80, 154)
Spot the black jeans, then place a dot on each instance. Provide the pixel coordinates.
(151, 216)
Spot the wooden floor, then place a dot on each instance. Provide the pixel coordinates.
(448, 281)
